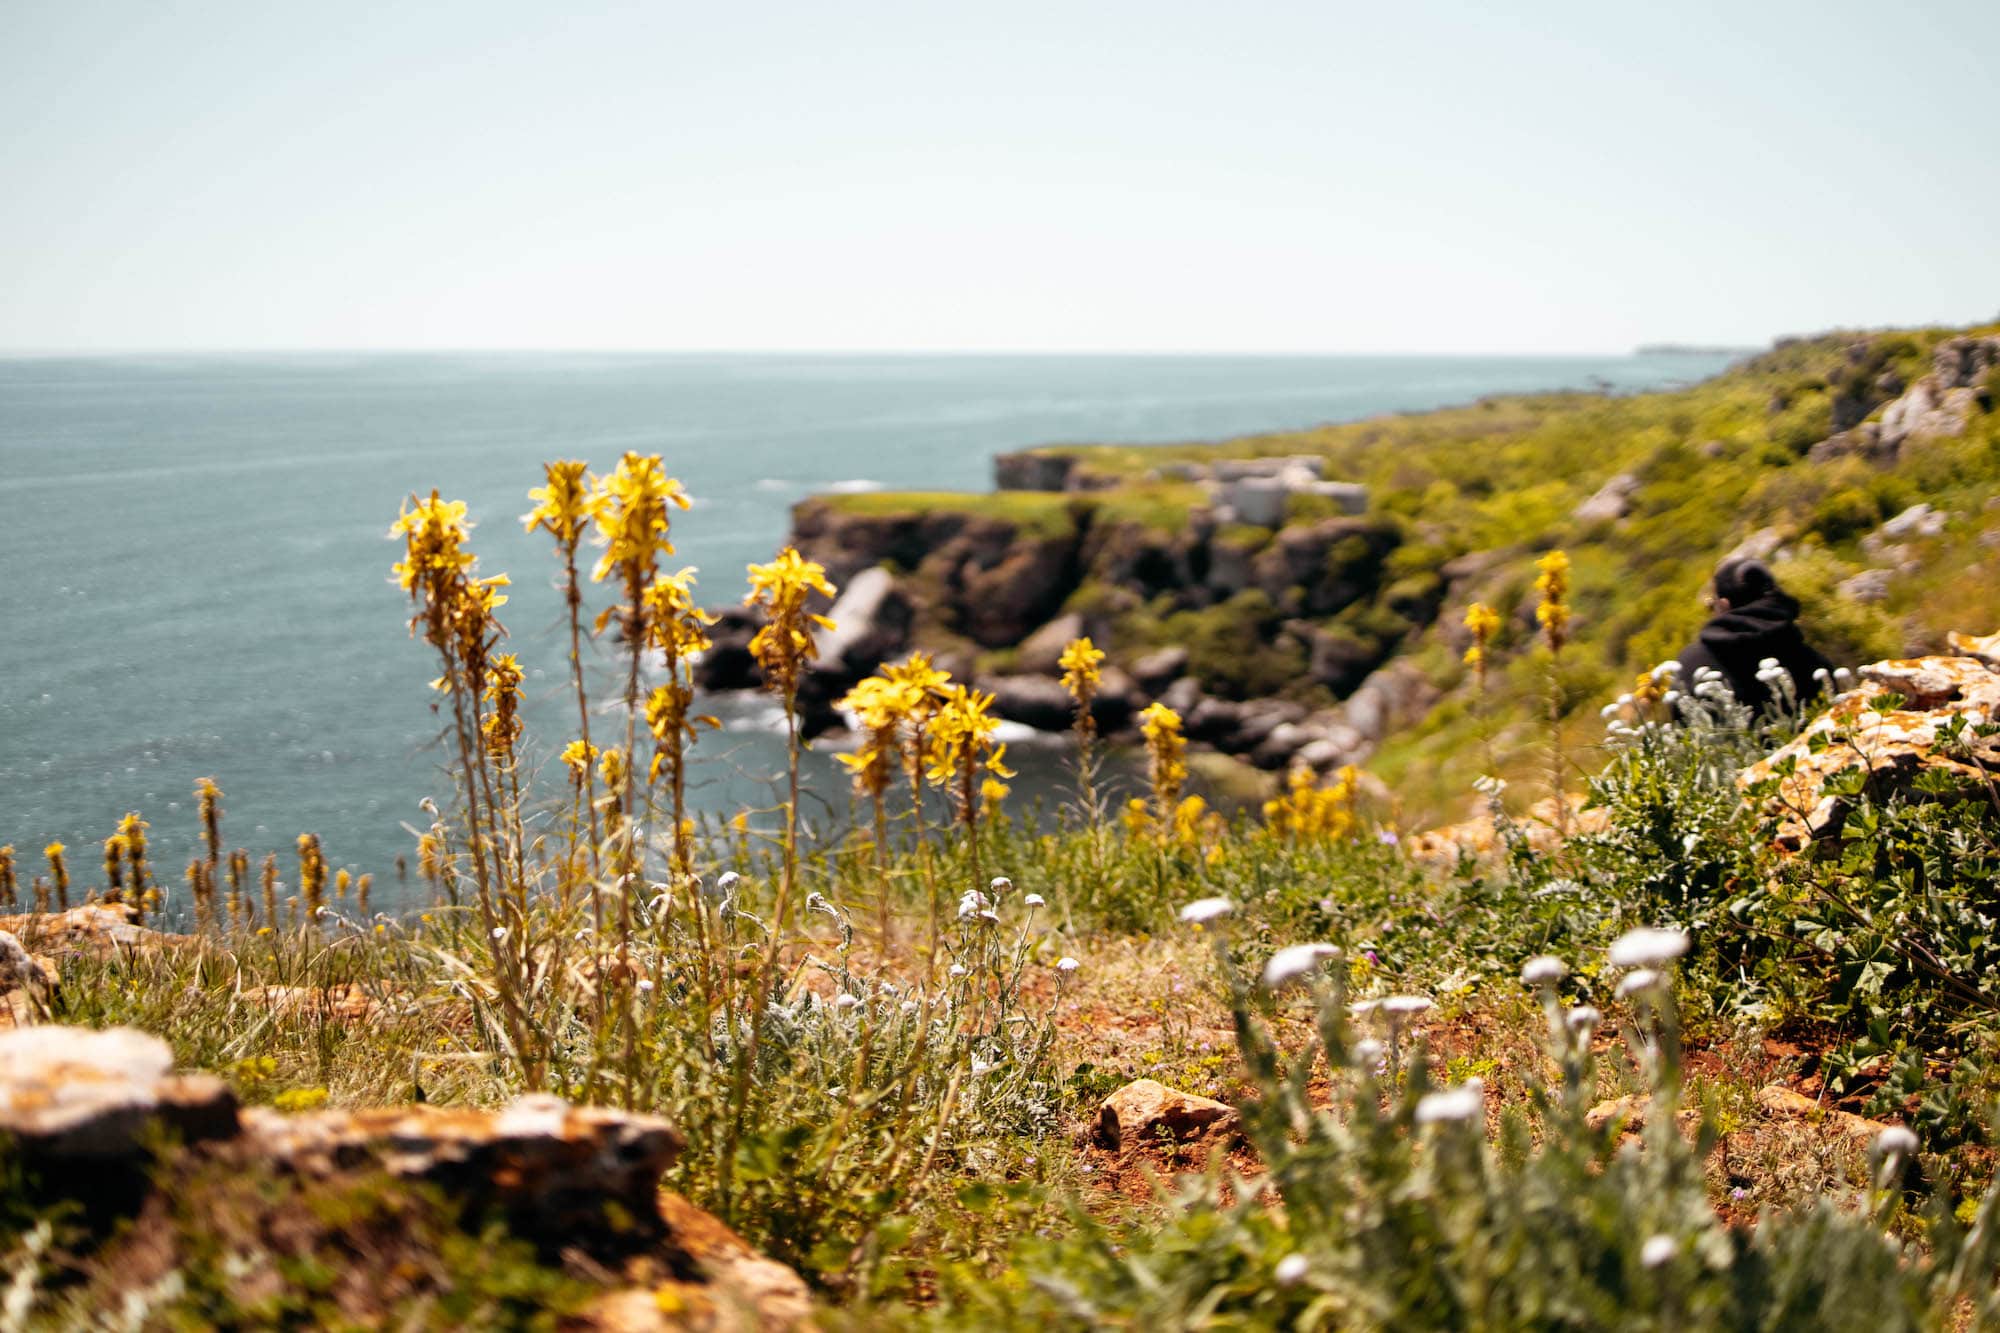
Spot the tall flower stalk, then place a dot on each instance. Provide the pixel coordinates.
(962, 747)
(1482, 622)
(1166, 759)
(565, 508)
(1081, 661)
(1552, 613)
(454, 610)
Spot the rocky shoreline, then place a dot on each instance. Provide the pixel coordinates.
(1279, 606)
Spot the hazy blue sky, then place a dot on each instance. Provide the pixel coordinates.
(839, 174)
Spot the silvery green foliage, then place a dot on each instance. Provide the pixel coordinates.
(1412, 1206)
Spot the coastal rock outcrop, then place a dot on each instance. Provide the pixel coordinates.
(1147, 1109)
(1887, 730)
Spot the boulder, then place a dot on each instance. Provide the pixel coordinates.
(1919, 520)
(1339, 660)
(69, 1093)
(871, 624)
(1396, 696)
(1184, 696)
(550, 1167)
(1161, 668)
(1032, 470)
(1868, 587)
(1985, 647)
(727, 664)
(95, 930)
(1763, 544)
(1118, 698)
(1036, 701)
(1609, 502)
(1041, 652)
(1782, 1101)
(1215, 721)
(1148, 1111)
(1258, 718)
(1892, 745)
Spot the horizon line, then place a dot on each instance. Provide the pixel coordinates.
(1672, 345)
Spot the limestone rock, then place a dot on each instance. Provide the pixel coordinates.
(1891, 745)
(1868, 587)
(348, 1002)
(551, 1167)
(80, 1093)
(1396, 696)
(1609, 502)
(1157, 670)
(1779, 1100)
(871, 624)
(1041, 652)
(1984, 647)
(1919, 520)
(1032, 470)
(1037, 701)
(96, 930)
(1147, 1110)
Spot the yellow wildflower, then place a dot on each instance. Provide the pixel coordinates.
(1080, 661)
(1552, 586)
(566, 505)
(630, 508)
(785, 644)
(1309, 812)
(1484, 622)
(578, 756)
(1166, 756)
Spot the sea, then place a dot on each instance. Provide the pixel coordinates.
(194, 563)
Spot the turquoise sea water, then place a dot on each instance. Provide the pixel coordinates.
(193, 570)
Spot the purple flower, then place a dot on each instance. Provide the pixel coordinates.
(1387, 837)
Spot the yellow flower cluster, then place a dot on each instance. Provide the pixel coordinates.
(455, 609)
(1166, 755)
(961, 735)
(880, 707)
(1483, 622)
(312, 870)
(566, 506)
(1307, 812)
(1080, 663)
(1552, 586)
(630, 509)
(502, 725)
(577, 757)
(785, 643)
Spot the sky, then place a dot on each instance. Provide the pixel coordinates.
(1325, 176)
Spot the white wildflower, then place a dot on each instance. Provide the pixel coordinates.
(645, 985)
(499, 934)
(1670, 667)
(1583, 1018)
(1648, 947)
(1067, 965)
(1001, 886)
(1543, 970)
(1295, 961)
(1895, 1141)
(958, 969)
(725, 884)
(1203, 910)
(1658, 1250)
(845, 1001)
(1291, 1270)
(972, 903)
(1644, 978)
(1405, 1006)
(1463, 1102)
(1035, 900)
(1368, 1051)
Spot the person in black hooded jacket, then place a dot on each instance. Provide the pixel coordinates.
(1754, 619)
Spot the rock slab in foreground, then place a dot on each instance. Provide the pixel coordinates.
(1147, 1110)
(69, 1094)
